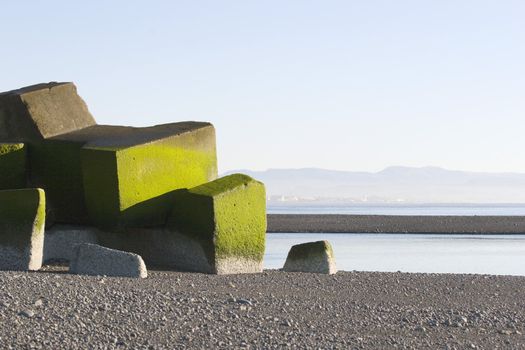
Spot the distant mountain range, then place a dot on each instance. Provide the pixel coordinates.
(393, 184)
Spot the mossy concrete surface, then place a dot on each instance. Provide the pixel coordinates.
(228, 219)
(41, 111)
(56, 167)
(317, 257)
(12, 166)
(22, 221)
(114, 176)
(129, 182)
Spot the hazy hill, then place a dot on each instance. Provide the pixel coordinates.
(393, 184)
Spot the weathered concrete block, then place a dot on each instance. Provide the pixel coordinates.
(227, 220)
(12, 166)
(41, 111)
(60, 241)
(22, 221)
(317, 257)
(115, 176)
(128, 176)
(92, 259)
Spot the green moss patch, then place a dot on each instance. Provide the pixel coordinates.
(12, 166)
(310, 250)
(22, 214)
(227, 216)
(222, 185)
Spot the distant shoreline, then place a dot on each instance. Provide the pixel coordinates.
(411, 224)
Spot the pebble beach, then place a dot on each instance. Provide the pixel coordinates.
(344, 223)
(348, 310)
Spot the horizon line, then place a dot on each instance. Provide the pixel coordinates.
(372, 172)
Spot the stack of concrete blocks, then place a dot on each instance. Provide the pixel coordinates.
(152, 191)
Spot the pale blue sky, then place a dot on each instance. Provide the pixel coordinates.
(350, 85)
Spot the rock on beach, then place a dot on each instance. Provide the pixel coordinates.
(92, 259)
(317, 257)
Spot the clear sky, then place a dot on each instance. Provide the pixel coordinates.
(349, 85)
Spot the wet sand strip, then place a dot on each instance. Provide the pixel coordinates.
(336, 223)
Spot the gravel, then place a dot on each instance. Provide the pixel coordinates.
(274, 309)
(341, 223)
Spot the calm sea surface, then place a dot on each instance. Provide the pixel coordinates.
(499, 255)
(494, 254)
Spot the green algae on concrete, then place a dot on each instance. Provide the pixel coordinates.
(130, 182)
(317, 257)
(12, 166)
(227, 217)
(22, 221)
(115, 176)
(41, 111)
(56, 167)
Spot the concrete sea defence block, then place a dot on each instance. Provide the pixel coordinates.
(92, 259)
(41, 111)
(12, 166)
(129, 177)
(227, 219)
(22, 221)
(60, 241)
(115, 176)
(317, 257)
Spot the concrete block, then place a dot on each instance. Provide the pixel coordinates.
(22, 221)
(41, 111)
(114, 176)
(317, 257)
(92, 259)
(226, 219)
(129, 176)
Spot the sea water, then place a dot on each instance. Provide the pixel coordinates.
(482, 254)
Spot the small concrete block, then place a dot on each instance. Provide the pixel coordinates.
(60, 241)
(227, 220)
(22, 222)
(41, 111)
(95, 260)
(12, 166)
(317, 257)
